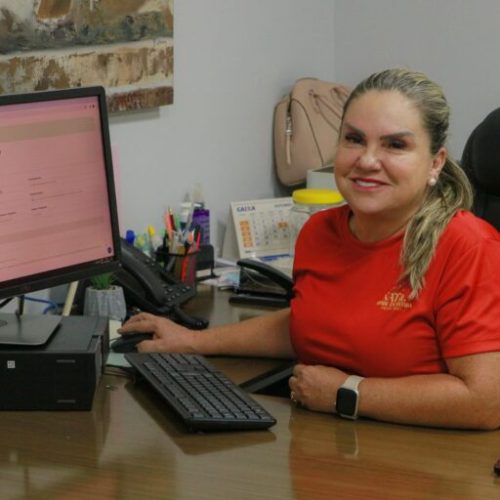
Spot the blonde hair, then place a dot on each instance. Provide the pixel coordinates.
(451, 193)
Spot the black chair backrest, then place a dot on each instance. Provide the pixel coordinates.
(481, 163)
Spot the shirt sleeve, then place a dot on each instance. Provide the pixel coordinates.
(468, 308)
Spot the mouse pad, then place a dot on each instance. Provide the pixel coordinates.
(117, 359)
(114, 358)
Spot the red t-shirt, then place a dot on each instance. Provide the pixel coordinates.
(348, 311)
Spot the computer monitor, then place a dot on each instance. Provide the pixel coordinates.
(58, 215)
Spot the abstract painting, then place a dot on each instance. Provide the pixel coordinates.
(124, 45)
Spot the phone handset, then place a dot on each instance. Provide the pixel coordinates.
(274, 274)
(136, 263)
(150, 288)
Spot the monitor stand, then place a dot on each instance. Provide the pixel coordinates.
(27, 330)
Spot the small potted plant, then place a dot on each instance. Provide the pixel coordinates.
(104, 298)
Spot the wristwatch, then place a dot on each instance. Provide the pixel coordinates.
(348, 397)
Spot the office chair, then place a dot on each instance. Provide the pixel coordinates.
(481, 163)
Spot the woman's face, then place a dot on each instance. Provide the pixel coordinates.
(383, 162)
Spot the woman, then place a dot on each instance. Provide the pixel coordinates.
(396, 293)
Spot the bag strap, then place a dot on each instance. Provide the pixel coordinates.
(338, 94)
(288, 138)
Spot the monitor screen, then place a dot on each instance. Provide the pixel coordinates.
(58, 217)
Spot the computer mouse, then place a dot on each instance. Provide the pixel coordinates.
(128, 342)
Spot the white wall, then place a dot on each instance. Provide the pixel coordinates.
(233, 60)
(456, 42)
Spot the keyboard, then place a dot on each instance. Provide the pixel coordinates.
(200, 395)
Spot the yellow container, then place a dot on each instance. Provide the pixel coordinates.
(307, 202)
(316, 198)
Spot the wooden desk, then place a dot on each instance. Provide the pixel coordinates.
(128, 447)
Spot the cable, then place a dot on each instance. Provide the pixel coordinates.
(192, 322)
(20, 310)
(5, 302)
(51, 304)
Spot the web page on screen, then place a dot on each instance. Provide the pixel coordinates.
(54, 209)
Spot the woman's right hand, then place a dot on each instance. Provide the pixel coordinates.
(167, 335)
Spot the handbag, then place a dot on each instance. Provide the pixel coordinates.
(306, 125)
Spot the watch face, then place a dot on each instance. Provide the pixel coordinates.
(346, 402)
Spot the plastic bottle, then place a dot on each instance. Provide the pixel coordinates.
(185, 215)
(201, 214)
(201, 219)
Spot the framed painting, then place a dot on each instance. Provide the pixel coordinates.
(124, 45)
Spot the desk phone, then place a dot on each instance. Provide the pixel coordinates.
(150, 288)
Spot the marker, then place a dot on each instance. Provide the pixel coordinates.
(168, 225)
(172, 219)
(130, 236)
(154, 240)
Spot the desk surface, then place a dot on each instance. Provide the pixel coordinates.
(129, 447)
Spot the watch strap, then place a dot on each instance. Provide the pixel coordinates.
(352, 382)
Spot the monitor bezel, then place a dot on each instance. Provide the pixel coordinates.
(48, 279)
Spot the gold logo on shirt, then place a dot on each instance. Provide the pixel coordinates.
(395, 300)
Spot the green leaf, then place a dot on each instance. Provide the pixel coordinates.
(103, 281)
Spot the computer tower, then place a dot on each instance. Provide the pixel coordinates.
(62, 374)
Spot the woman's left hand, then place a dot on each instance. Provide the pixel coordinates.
(315, 386)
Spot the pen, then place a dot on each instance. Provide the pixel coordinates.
(188, 242)
(198, 239)
(168, 224)
(172, 219)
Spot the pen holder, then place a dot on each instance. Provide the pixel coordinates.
(183, 267)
